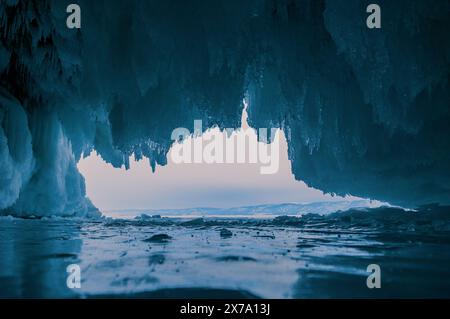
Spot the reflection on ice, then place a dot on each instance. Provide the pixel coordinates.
(286, 257)
(34, 255)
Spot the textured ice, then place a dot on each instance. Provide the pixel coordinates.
(362, 109)
(16, 155)
(285, 257)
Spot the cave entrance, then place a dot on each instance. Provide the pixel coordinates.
(183, 187)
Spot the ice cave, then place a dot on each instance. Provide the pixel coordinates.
(365, 112)
(359, 113)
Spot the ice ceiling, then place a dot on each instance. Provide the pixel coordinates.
(366, 112)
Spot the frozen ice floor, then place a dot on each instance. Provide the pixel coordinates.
(221, 258)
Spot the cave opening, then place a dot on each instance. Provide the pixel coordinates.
(184, 186)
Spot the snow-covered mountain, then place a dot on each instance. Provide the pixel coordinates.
(267, 209)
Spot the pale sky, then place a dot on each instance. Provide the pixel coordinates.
(193, 185)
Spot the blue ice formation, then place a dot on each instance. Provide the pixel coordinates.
(366, 111)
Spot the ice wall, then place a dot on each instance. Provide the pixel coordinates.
(366, 111)
(16, 154)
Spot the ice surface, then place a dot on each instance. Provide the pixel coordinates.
(286, 257)
(362, 109)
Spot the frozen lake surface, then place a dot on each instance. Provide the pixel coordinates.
(285, 257)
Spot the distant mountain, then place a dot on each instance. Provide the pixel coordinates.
(322, 208)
